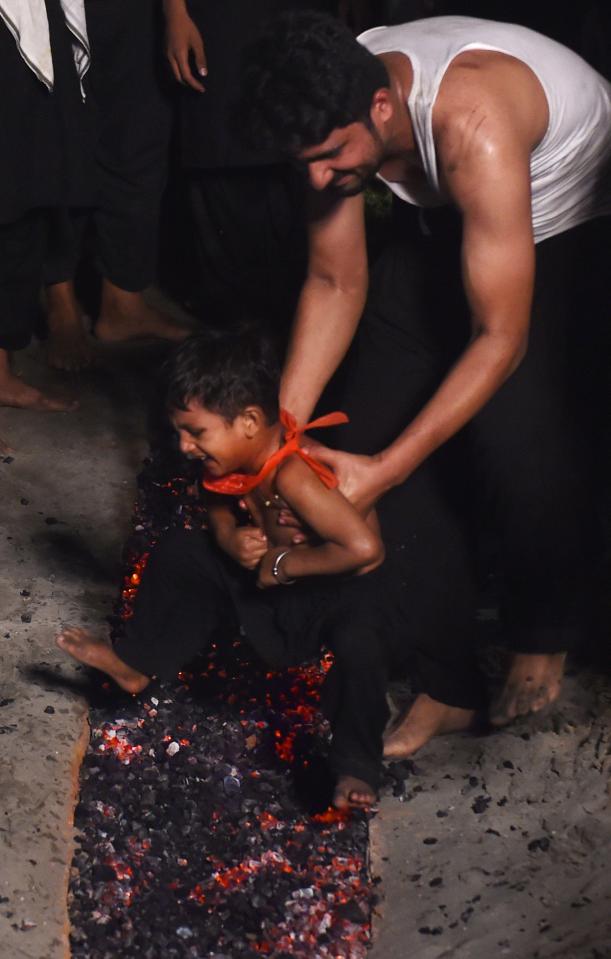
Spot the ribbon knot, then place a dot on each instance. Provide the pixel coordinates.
(239, 484)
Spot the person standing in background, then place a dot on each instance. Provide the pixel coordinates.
(45, 163)
(132, 117)
(243, 206)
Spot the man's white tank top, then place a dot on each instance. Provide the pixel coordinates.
(570, 168)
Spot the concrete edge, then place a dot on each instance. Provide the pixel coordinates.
(80, 748)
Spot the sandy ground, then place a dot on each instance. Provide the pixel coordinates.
(66, 501)
(499, 844)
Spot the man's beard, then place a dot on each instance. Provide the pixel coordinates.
(365, 174)
(362, 178)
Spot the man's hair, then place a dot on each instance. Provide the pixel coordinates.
(224, 373)
(305, 76)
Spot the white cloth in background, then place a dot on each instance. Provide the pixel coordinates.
(27, 21)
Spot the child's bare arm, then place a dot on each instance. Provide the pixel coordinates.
(348, 543)
(245, 544)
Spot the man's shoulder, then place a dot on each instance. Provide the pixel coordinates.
(488, 116)
(497, 90)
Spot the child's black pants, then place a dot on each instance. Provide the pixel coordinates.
(191, 591)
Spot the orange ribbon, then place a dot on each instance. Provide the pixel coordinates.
(238, 484)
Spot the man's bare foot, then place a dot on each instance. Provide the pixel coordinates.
(425, 719)
(14, 392)
(353, 793)
(93, 651)
(68, 345)
(533, 682)
(4, 447)
(126, 316)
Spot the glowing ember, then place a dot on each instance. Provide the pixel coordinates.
(130, 586)
(115, 740)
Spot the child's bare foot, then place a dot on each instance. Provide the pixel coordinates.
(126, 316)
(353, 793)
(425, 719)
(68, 345)
(92, 651)
(533, 682)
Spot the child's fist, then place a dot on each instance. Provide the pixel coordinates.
(246, 545)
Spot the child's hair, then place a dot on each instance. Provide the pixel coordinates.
(224, 373)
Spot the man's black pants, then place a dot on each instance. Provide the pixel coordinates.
(524, 471)
(191, 592)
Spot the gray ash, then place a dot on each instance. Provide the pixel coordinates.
(196, 838)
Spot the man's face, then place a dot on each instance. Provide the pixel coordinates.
(346, 161)
(209, 437)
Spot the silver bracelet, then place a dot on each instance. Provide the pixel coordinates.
(276, 569)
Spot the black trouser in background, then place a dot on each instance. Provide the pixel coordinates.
(523, 469)
(191, 592)
(250, 243)
(23, 246)
(133, 125)
(44, 165)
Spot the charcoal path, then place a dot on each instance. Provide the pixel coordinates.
(204, 827)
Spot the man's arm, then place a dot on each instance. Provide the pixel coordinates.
(490, 182)
(486, 171)
(348, 544)
(331, 301)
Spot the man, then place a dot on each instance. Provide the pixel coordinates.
(513, 131)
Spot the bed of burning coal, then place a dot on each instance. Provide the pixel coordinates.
(196, 832)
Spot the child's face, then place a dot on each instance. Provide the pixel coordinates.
(223, 447)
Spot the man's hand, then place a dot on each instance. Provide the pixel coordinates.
(182, 39)
(359, 476)
(359, 481)
(245, 544)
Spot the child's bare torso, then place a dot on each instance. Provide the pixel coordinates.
(264, 506)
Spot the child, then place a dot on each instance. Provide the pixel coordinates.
(222, 401)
